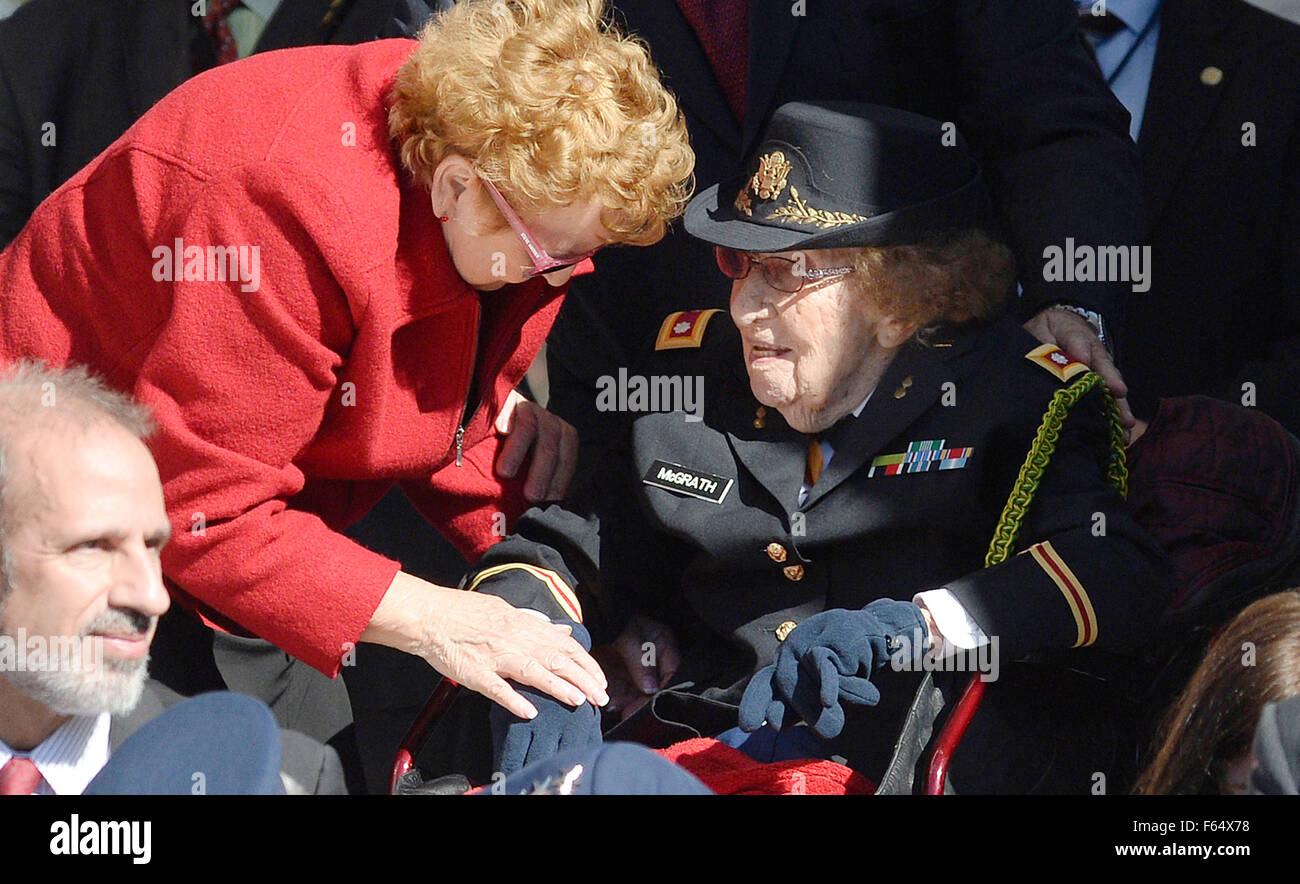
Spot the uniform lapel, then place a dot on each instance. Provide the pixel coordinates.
(918, 374)
(1195, 35)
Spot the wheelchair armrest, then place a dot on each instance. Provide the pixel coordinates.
(953, 730)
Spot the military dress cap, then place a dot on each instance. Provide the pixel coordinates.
(842, 174)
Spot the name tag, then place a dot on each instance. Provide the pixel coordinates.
(684, 480)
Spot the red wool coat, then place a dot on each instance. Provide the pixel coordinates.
(296, 377)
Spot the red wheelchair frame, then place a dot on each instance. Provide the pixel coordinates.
(941, 755)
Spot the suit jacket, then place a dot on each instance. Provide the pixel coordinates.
(1013, 76)
(697, 522)
(312, 767)
(74, 74)
(1221, 171)
(286, 406)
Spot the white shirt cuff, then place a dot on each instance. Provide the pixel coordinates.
(959, 631)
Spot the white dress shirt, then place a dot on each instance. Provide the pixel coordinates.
(70, 757)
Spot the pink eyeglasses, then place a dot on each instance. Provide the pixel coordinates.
(542, 262)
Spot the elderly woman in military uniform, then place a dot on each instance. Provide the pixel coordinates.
(824, 518)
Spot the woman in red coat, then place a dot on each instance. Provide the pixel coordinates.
(325, 270)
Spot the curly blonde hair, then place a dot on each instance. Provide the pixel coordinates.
(947, 279)
(552, 105)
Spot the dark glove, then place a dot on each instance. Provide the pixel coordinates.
(558, 727)
(827, 659)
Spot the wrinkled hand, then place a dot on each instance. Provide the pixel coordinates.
(518, 742)
(1072, 334)
(480, 641)
(638, 664)
(827, 659)
(554, 444)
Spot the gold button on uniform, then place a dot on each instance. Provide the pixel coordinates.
(1212, 76)
(793, 572)
(776, 552)
(785, 629)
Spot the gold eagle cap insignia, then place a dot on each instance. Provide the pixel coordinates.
(768, 182)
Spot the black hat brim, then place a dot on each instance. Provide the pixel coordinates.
(724, 225)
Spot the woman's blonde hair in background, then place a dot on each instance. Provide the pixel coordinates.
(552, 105)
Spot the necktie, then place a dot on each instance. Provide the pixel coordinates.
(813, 469)
(214, 22)
(723, 29)
(19, 777)
(835, 435)
(1099, 27)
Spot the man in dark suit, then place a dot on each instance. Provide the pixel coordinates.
(74, 74)
(82, 523)
(1216, 94)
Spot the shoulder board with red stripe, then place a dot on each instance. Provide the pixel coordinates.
(1055, 360)
(684, 328)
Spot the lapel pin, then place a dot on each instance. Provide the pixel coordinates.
(1212, 76)
(760, 417)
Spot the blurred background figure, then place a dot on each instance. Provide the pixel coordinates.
(1213, 89)
(1204, 746)
(74, 74)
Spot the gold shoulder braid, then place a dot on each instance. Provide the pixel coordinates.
(1031, 471)
(800, 212)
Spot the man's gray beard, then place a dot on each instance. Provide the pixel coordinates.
(115, 687)
(84, 682)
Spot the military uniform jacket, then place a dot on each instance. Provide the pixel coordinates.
(696, 519)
